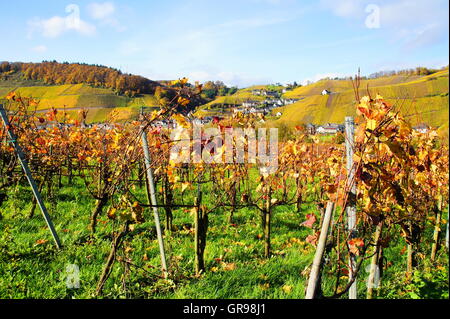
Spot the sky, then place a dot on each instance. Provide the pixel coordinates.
(239, 42)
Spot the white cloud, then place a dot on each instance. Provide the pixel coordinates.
(252, 22)
(56, 26)
(104, 13)
(101, 11)
(412, 23)
(40, 49)
(345, 8)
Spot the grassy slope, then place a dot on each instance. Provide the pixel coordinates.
(100, 102)
(420, 98)
(32, 270)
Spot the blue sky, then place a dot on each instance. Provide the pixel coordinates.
(240, 42)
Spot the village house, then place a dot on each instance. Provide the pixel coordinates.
(421, 128)
(289, 101)
(330, 128)
(310, 129)
(271, 93)
(274, 102)
(326, 92)
(250, 103)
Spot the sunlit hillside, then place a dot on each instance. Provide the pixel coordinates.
(419, 98)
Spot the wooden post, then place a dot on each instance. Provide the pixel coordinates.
(37, 195)
(446, 235)
(151, 190)
(198, 227)
(437, 229)
(351, 207)
(374, 261)
(317, 263)
(409, 260)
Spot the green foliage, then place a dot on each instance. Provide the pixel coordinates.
(210, 94)
(430, 284)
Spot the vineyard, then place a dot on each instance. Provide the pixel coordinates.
(363, 215)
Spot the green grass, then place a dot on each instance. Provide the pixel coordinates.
(31, 270)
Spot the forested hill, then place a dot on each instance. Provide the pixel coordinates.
(54, 73)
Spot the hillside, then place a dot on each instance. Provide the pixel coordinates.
(101, 102)
(420, 98)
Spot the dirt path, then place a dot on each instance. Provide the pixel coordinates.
(329, 101)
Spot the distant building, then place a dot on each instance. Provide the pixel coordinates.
(330, 128)
(421, 128)
(250, 103)
(326, 92)
(271, 93)
(310, 129)
(279, 114)
(289, 101)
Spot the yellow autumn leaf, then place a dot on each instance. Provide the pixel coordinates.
(183, 101)
(181, 120)
(214, 269)
(287, 289)
(371, 124)
(184, 186)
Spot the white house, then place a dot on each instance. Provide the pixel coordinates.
(326, 92)
(271, 93)
(279, 114)
(248, 104)
(329, 128)
(421, 128)
(289, 101)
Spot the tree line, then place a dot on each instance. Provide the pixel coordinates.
(55, 73)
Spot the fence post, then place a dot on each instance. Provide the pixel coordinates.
(373, 281)
(151, 190)
(437, 229)
(351, 207)
(13, 140)
(446, 235)
(317, 263)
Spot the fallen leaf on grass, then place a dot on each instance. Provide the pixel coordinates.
(264, 286)
(310, 220)
(41, 241)
(228, 266)
(287, 289)
(312, 239)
